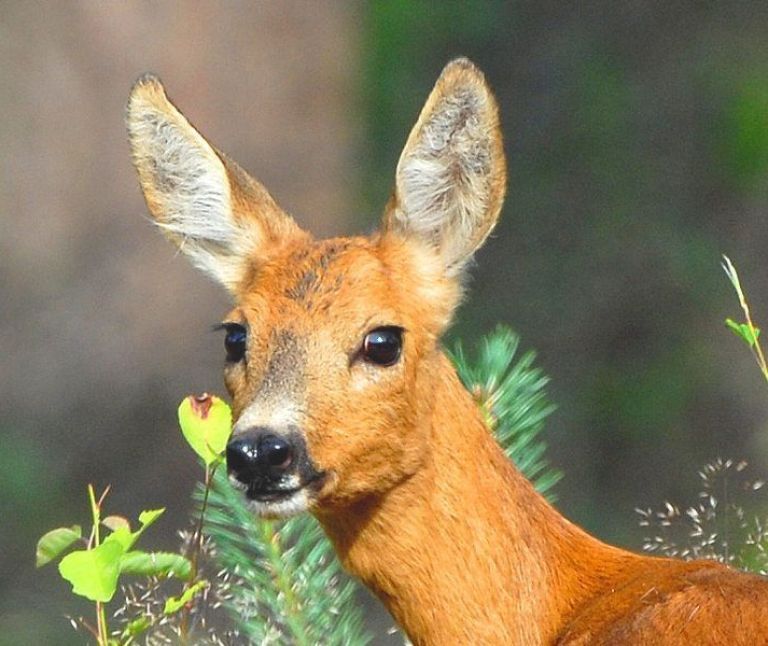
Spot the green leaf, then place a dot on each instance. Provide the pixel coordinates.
(149, 516)
(744, 331)
(206, 422)
(125, 537)
(156, 564)
(174, 604)
(93, 573)
(53, 543)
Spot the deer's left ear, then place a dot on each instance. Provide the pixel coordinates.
(451, 177)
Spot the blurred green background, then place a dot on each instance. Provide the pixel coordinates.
(637, 139)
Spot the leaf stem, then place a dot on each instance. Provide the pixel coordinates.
(95, 541)
(198, 536)
(103, 630)
(756, 349)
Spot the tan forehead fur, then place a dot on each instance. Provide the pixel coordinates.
(352, 278)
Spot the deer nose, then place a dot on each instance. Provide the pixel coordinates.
(259, 455)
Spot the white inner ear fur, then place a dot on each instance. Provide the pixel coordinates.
(443, 177)
(187, 187)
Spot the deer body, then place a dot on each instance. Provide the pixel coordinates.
(346, 407)
(468, 552)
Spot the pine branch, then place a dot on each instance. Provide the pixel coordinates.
(511, 394)
(291, 589)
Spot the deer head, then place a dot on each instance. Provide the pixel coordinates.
(332, 347)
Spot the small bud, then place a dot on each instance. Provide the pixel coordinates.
(201, 404)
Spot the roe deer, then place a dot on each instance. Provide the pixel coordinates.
(346, 406)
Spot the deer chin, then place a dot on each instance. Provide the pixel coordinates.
(285, 505)
(281, 502)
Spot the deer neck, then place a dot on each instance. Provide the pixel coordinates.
(465, 550)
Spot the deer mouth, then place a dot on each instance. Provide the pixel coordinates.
(271, 494)
(272, 501)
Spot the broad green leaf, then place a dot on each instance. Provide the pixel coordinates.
(206, 422)
(93, 573)
(53, 543)
(744, 331)
(156, 564)
(174, 604)
(125, 537)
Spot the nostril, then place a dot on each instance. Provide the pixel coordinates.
(242, 458)
(275, 452)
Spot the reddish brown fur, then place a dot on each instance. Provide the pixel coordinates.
(420, 502)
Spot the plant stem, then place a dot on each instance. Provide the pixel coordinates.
(102, 620)
(757, 350)
(95, 541)
(198, 536)
(196, 547)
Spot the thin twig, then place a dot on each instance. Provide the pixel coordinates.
(195, 548)
(755, 347)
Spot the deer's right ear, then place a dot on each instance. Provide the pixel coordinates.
(208, 206)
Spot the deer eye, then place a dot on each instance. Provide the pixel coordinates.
(234, 342)
(383, 345)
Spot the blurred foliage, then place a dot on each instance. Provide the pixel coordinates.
(743, 141)
(637, 141)
(21, 462)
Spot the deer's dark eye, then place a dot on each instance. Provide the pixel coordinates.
(234, 342)
(383, 345)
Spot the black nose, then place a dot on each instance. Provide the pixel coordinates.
(259, 456)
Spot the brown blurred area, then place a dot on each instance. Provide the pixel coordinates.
(637, 140)
(102, 328)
